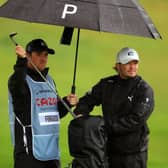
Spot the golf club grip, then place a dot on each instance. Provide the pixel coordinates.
(73, 89)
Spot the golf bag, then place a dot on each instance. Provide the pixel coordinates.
(87, 142)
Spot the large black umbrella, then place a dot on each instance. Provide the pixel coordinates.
(117, 16)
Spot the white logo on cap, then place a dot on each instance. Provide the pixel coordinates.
(42, 44)
(130, 53)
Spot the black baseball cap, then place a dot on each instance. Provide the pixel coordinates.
(38, 45)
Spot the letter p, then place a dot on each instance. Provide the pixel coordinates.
(70, 12)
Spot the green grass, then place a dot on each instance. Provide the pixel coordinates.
(96, 58)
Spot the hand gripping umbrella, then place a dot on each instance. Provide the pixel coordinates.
(116, 16)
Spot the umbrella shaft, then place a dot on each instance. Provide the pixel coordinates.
(75, 64)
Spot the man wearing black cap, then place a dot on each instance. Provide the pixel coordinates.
(127, 102)
(35, 109)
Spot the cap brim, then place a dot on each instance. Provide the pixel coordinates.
(51, 51)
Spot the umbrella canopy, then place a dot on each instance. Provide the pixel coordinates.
(117, 16)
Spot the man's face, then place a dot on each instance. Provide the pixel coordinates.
(128, 70)
(39, 59)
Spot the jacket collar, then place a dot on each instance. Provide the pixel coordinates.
(35, 75)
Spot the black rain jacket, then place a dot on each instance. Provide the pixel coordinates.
(126, 106)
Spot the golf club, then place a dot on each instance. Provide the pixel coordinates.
(42, 76)
(11, 36)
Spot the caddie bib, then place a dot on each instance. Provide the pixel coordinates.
(44, 119)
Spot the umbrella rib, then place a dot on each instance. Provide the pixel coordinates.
(106, 3)
(40, 5)
(147, 21)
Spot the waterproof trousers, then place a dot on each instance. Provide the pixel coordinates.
(22, 160)
(138, 160)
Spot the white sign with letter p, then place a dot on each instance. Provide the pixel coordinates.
(69, 9)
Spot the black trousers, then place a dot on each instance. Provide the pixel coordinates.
(138, 160)
(22, 160)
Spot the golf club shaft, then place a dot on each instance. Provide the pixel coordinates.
(53, 89)
(14, 42)
(12, 38)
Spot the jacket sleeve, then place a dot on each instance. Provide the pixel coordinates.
(17, 79)
(16, 84)
(62, 109)
(141, 109)
(89, 100)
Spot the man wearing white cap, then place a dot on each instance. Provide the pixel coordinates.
(127, 102)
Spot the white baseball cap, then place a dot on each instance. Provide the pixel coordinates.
(126, 55)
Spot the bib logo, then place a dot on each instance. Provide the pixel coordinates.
(50, 101)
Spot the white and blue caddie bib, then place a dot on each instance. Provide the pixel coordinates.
(45, 120)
